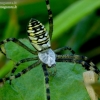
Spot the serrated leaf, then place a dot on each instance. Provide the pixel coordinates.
(67, 84)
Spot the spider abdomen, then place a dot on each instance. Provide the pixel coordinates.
(38, 36)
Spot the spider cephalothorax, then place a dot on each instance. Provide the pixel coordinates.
(40, 39)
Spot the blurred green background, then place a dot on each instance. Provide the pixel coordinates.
(76, 24)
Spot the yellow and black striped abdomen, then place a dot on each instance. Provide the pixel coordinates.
(38, 36)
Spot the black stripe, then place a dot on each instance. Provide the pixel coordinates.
(47, 91)
(46, 80)
(7, 78)
(47, 2)
(48, 97)
(24, 71)
(97, 71)
(1, 80)
(18, 75)
(50, 12)
(13, 70)
(1, 42)
(42, 42)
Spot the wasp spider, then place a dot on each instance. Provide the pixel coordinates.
(40, 40)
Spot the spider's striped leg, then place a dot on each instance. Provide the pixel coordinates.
(21, 62)
(88, 65)
(74, 57)
(44, 67)
(2, 80)
(64, 48)
(17, 42)
(71, 57)
(50, 18)
(81, 60)
(92, 66)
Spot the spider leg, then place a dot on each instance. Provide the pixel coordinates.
(17, 42)
(22, 61)
(2, 80)
(44, 67)
(88, 65)
(64, 48)
(50, 18)
(74, 57)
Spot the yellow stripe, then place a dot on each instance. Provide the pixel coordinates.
(31, 34)
(30, 28)
(33, 41)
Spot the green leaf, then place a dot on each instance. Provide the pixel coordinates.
(8, 66)
(67, 84)
(71, 15)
